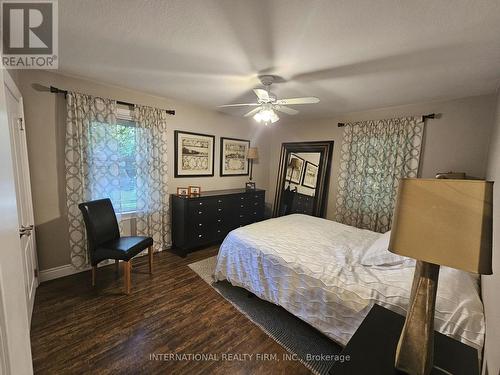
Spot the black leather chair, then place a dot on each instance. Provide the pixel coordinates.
(105, 242)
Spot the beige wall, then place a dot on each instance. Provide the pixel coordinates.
(491, 284)
(45, 124)
(458, 141)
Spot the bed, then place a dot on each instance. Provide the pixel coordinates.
(317, 269)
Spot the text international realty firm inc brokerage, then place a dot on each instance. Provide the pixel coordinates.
(245, 357)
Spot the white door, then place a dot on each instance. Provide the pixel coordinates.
(15, 115)
(15, 348)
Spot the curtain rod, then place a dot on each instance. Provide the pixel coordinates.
(424, 117)
(55, 90)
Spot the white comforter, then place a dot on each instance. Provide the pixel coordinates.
(310, 266)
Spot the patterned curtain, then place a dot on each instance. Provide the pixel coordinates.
(153, 215)
(87, 120)
(374, 156)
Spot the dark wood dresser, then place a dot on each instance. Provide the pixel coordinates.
(302, 204)
(209, 217)
(297, 203)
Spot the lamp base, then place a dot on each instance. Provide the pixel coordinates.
(415, 351)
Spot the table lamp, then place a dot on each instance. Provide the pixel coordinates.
(253, 154)
(437, 222)
(294, 163)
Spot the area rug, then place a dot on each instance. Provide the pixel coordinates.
(309, 346)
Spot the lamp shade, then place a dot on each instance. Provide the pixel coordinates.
(445, 222)
(253, 153)
(294, 163)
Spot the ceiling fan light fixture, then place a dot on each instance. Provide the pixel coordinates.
(268, 104)
(266, 116)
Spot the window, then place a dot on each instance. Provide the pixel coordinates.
(112, 167)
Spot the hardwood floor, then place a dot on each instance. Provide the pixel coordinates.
(79, 329)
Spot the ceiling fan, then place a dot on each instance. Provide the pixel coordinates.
(268, 104)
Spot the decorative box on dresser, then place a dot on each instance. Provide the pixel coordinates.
(207, 218)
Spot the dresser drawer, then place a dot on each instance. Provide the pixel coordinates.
(200, 225)
(221, 211)
(242, 198)
(257, 214)
(245, 218)
(243, 206)
(223, 222)
(255, 205)
(201, 203)
(222, 202)
(200, 236)
(258, 195)
(201, 210)
(199, 215)
(221, 233)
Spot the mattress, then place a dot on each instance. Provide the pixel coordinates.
(311, 267)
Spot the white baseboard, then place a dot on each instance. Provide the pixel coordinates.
(61, 271)
(56, 272)
(68, 269)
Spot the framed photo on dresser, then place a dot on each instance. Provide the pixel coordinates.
(194, 154)
(233, 157)
(182, 191)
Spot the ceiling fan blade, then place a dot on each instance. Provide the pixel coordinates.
(305, 100)
(238, 105)
(262, 94)
(252, 112)
(287, 110)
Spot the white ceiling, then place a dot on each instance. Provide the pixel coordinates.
(353, 54)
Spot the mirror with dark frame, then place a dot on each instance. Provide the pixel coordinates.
(303, 178)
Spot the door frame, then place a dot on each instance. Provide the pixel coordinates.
(15, 356)
(30, 266)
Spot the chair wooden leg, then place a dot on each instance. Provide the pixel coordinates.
(150, 256)
(117, 266)
(126, 278)
(94, 270)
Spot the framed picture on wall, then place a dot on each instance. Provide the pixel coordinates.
(233, 157)
(310, 175)
(295, 167)
(194, 154)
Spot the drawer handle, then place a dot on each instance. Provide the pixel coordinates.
(241, 206)
(200, 235)
(241, 215)
(219, 201)
(242, 198)
(220, 209)
(218, 220)
(200, 212)
(255, 213)
(218, 230)
(256, 204)
(201, 203)
(200, 224)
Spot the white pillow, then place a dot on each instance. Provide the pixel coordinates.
(379, 255)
